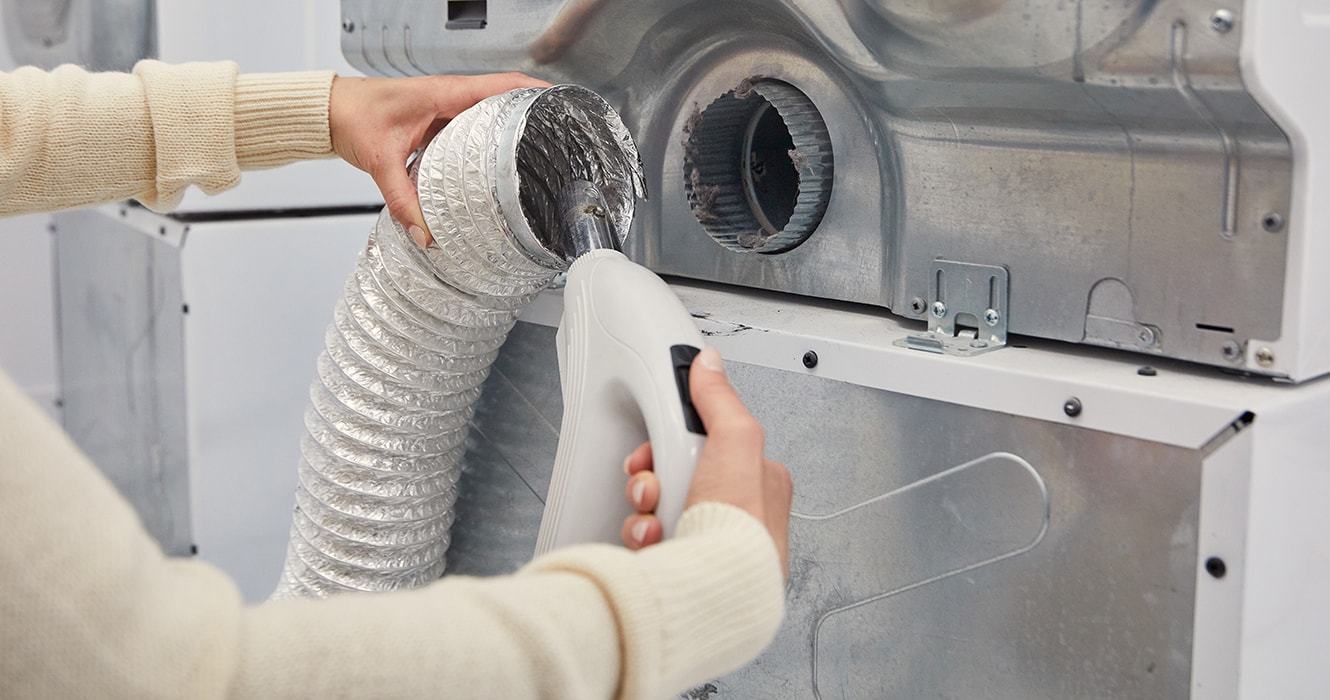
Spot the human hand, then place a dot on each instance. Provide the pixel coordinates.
(732, 468)
(375, 123)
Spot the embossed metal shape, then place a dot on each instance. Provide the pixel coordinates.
(1107, 155)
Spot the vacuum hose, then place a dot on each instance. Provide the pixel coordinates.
(414, 335)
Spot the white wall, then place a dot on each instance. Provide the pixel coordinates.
(27, 298)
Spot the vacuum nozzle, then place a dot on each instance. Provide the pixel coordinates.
(584, 222)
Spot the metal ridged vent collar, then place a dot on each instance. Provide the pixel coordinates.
(758, 167)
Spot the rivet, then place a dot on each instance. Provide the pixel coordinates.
(1272, 222)
(1222, 21)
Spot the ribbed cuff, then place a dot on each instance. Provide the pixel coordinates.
(690, 609)
(282, 118)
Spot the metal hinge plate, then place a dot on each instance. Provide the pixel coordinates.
(967, 310)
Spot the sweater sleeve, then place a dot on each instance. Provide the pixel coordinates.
(92, 607)
(72, 138)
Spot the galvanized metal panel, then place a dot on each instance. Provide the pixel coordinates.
(121, 336)
(935, 548)
(1072, 143)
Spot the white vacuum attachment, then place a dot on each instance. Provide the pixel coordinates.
(625, 346)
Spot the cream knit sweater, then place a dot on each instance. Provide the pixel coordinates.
(89, 606)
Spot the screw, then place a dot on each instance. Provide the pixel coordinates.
(1264, 357)
(1147, 371)
(917, 305)
(1222, 21)
(939, 309)
(1216, 567)
(1146, 336)
(1272, 222)
(1072, 407)
(981, 344)
(991, 317)
(810, 359)
(348, 26)
(1231, 350)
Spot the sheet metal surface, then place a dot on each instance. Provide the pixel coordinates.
(1106, 154)
(936, 549)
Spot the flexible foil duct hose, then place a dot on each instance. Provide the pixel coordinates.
(416, 331)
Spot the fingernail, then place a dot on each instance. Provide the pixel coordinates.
(418, 235)
(710, 359)
(639, 488)
(626, 460)
(639, 531)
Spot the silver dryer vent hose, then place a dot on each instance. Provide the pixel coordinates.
(416, 331)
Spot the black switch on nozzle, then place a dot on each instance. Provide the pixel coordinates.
(681, 356)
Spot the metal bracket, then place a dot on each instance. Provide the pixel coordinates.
(967, 310)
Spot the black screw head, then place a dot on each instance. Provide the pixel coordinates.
(348, 26)
(810, 359)
(1072, 407)
(1216, 567)
(1147, 371)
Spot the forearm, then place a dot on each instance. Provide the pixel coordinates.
(91, 607)
(71, 138)
(586, 622)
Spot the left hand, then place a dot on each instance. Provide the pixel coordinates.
(376, 123)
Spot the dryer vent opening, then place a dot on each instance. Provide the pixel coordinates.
(758, 167)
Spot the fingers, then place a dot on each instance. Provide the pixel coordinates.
(399, 193)
(718, 404)
(638, 460)
(641, 531)
(643, 491)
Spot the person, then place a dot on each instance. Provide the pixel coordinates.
(91, 607)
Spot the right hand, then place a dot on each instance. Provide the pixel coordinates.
(732, 468)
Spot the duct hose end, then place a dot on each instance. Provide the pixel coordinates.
(558, 136)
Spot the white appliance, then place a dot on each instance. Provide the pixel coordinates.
(187, 351)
